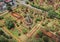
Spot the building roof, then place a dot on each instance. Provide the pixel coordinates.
(1, 3)
(7, 0)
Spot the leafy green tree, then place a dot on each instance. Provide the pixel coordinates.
(24, 31)
(45, 38)
(58, 16)
(40, 34)
(52, 14)
(35, 40)
(3, 39)
(41, 40)
(9, 7)
(38, 19)
(1, 18)
(1, 32)
(9, 23)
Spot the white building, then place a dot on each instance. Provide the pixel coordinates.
(3, 4)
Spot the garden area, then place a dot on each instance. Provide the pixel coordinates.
(22, 20)
(52, 8)
(40, 37)
(6, 37)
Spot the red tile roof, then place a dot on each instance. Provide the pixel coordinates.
(7, 0)
(1, 3)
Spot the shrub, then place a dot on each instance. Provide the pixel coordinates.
(40, 34)
(9, 24)
(24, 31)
(3, 39)
(45, 38)
(1, 18)
(38, 19)
(58, 16)
(52, 14)
(1, 32)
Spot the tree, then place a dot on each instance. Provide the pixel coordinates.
(40, 34)
(9, 7)
(41, 40)
(3, 39)
(1, 17)
(1, 32)
(45, 38)
(9, 24)
(35, 40)
(58, 16)
(38, 19)
(52, 14)
(24, 31)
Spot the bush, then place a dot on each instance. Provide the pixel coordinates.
(52, 29)
(58, 16)
(1, 32)
(45, 38)
(37, 6)
(41, 40)
(38, 19)
(19, 34)
(1, 18)
(9, 24)
(27, 2)
(3, 39)
(9, 7)
(24, 31)
(52, 14)
(40, 34)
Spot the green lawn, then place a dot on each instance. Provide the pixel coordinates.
(15, 32)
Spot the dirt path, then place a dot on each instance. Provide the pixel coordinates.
(18, 28)
(8, 32)
(47, 33)
(18, 17)
(34, 29)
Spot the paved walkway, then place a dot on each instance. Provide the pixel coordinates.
(4, 13)
(34, 29)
